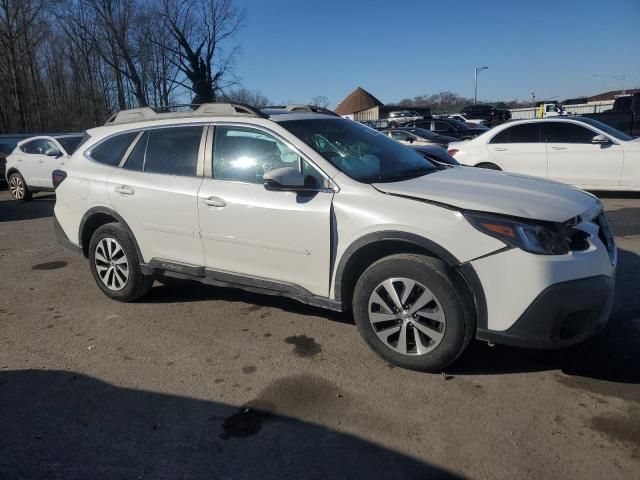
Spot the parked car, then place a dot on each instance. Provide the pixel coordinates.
(575, 150)
(449, 127)
(418, 136)
(4, 151)
(488, 113)
(31, 162)
(624, 116)
(335, 214)
(437, 155)
(402, 117)
(471, 122)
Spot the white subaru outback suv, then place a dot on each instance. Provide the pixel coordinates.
(334, 214)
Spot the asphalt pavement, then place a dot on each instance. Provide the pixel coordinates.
(195, 381)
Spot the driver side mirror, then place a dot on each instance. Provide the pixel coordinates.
(600, 140)
(53, 153)
(409, 139)
(286, 179)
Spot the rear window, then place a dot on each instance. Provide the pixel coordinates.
(525, 133)
(173, 151)
(70, 144)
(111, 151)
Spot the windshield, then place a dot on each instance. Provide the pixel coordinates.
(423, 133)
(609, 130)
(69, 143)
(362, 153)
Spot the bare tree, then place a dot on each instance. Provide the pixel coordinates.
(246, 96)
(202, 30)
(320, 101)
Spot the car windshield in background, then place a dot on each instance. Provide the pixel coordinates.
(362, 153)
(609, 130)
(438, 155)
(457, 124)
(70, 144)
(423, 133)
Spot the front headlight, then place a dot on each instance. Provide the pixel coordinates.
(539, 238)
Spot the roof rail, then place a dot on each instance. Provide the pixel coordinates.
(295, 107)
(202, 110)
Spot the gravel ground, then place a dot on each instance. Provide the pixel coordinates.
(195, 381)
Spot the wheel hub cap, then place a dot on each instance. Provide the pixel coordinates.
(406, 316)
(111, 264)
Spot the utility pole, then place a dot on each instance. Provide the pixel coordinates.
(620, 78)
(533, 99)
(475, 89)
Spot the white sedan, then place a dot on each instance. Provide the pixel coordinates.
(575, 150)
(32, 162)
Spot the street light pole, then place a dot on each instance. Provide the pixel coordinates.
(475, 88)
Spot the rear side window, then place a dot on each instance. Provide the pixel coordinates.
(565, 132)
(526, 133)
(111, 151)
(173, 151)
(136, 158)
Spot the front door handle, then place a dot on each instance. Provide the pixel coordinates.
(215, 202)
(124, 190)
(559, 148)
(501, 149)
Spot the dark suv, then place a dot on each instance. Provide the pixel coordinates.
(489, 113)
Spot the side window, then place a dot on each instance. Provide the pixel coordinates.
(502, 137)
(173, 151)
(28, 147)
(525, 133)
(565, 132)
(400, 135)
(245, 154)
(39, 147)
(111, 151)
(442, 127)
(49, 147)
(136, 158)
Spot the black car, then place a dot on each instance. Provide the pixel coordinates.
(410, 135)
(437, 155)
(450, 128)
(489, 113)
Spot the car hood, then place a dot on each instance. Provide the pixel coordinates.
(470, 188)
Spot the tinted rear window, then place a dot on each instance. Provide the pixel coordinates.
(111, 151)
(173, 151)
(525, 133)
(70, 144)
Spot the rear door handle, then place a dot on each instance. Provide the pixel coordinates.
(559, 148)
(501, 149)
(215, 202)
(124, 190)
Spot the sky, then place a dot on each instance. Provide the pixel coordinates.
(294, 50)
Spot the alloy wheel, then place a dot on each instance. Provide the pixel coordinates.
(111, 264)
(16, 186)
(406, 316)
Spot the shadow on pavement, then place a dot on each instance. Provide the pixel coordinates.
(40, 207)
(58, 424)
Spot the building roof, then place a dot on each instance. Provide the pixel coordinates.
(357, 101)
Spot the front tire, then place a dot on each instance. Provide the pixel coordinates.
(412, 311)
(115, 264)
(18, 188)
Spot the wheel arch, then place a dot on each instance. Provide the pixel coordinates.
(374, 246)
(11, 170)
(96, 217)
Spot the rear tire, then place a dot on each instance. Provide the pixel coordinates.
(432, 311)
(115, 264)
(489, 166)
(18, 188)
